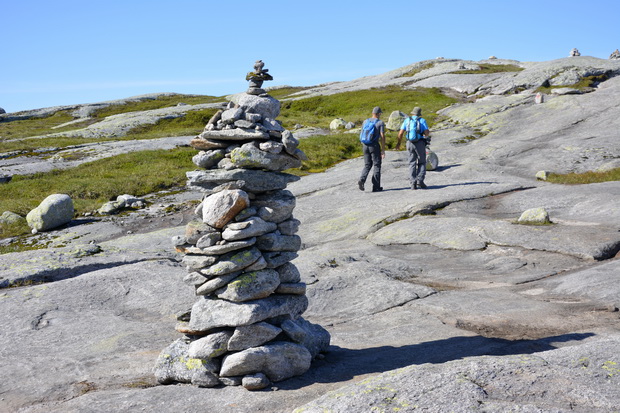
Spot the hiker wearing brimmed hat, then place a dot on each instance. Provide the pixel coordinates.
(417, 132)
(372, 137)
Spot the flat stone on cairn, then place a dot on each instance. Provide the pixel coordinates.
(245, 328)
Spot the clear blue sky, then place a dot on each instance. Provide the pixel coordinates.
(61, 52)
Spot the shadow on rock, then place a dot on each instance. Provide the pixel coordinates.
(342, 364)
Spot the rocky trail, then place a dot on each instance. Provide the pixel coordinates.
(435, 299)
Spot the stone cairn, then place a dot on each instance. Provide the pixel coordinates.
(245, 327)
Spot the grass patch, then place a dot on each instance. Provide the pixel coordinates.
(356, 106)
(191, 124)
(488, 68)
(94, 183)
(18, 129)
(326, 151)
(156, 103)
(417, 70)
(585, 177)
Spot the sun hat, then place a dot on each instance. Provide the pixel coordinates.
(416, 111)
(376, 110)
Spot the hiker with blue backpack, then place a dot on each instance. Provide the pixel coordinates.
(372, 138)
(417, 132)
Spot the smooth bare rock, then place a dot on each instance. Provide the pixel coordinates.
(252, 227)
(251, 157)
(278, 242)
(231, 262)
(536, 216)
(218, 209)
(253, 335)
(533, 383)
(175, 365)
(111, 207)
(250, 286)
(278, 361)
(253, 180)
(276, 206)
(54, 211)
(209, 313)
(211, 346)
(256, 381)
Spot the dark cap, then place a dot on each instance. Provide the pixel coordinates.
(376, 110)
(416, 111)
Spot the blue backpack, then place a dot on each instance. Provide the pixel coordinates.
(413, 133)
(367, 135)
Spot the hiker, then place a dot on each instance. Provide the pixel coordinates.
(373, 142)
(417, 138)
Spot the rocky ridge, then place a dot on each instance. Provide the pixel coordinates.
(433, 298)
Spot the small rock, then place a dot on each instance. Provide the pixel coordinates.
(256, 381)
(536, 216)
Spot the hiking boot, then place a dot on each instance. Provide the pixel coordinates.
(422, 185)
(414, 186)
(377, 189)
(360, 185)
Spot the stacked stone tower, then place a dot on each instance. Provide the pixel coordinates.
(246, 325)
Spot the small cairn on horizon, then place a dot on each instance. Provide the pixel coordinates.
(245, 328)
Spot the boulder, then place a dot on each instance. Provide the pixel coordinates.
(266, 106)
(236, 134)
(253, 227)
(255, 381)
(289, 273)
(208, 159)
(278, 361)
(253, 180)
(536, 216)
(278, 242)
(175, 365)
(203, 144)
(337, 124)
(312, 336)
(349, 125)
(5, 179)
(54, 211)
(542, 175)
(211, 346)
(271, 147)
(272, 125)
(231, 262)
(251, 157)
(2, 111)
(9, 218)
(276, 206)
(218, 209)
(432, 161)
(290, 142)
(395, 120)
(209, 313)
(289, 227)
(111, 207)
(195, 230)
(253, 335)
(218, 249)
(216, 283)
(229, 116)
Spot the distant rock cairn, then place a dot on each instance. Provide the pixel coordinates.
(615, 55)
(574, 52)
(245, 327)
